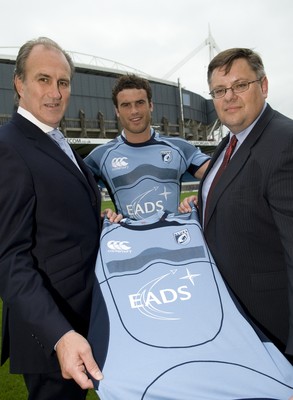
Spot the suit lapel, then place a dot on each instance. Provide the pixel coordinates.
(237, 162)
(94, 191)
(46, 145)
(235, 166)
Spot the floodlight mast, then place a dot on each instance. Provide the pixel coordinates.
(209, 41)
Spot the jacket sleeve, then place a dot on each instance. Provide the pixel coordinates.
(280, 197)
(22, 286)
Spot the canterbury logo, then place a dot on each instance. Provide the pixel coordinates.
(117, 245)
(119, 162)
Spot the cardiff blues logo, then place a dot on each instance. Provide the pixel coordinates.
(182, 237)
(166, 156)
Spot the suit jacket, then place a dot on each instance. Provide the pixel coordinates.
(49, 236)
(249, 225)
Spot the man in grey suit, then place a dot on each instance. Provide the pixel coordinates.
(247, 214)
(49, 234)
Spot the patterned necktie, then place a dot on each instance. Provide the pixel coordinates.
(228, 154)
(59, 138)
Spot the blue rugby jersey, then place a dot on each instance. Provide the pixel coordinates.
(145, 178)
(174, 331)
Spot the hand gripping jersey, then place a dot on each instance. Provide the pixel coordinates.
(144, 178)
(175, 332)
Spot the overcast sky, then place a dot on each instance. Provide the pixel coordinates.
(153, 36)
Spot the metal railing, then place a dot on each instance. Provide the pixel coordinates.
(101, 128)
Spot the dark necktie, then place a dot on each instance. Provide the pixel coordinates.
(228, 154)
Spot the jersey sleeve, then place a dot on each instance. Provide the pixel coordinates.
(193, 156)
(93, 162)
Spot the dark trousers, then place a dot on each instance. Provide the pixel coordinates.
(52, 387)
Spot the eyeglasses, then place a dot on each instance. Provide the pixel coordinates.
(237, 87)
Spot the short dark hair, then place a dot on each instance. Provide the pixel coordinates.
(131, 81)
(227, 57)
(24, 52)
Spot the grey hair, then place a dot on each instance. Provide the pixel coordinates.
(24, 52)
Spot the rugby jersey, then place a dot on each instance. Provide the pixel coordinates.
(144, 178)
(175, 332)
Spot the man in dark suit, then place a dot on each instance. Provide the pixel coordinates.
(49, 234)
(248, 214)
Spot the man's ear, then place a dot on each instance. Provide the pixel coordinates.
(18, 84)
(265, 87)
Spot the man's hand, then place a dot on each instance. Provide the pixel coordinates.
(76, 359)
(111, 215)
(184, 206)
